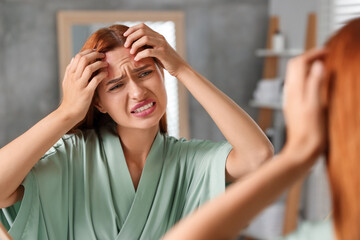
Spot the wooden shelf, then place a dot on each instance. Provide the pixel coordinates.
(284, 53)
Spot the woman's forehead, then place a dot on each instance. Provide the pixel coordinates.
(121, 56)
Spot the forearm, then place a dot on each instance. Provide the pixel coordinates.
(248, 140)
(225, 216)
(4, 234)
(19, 156)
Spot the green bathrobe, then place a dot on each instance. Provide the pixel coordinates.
(82, 189)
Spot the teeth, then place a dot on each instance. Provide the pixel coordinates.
(147, 106)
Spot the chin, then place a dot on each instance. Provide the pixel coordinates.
(148, 125)
(142, 124)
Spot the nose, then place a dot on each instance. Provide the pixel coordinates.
(136, 90)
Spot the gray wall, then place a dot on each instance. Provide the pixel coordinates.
(221, 38)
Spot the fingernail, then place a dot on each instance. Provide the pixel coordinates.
(125, 33)
(72, 59)
(317, 67)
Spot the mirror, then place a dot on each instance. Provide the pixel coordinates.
(74, 27)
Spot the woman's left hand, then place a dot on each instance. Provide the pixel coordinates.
(303, 109)
(141, 35)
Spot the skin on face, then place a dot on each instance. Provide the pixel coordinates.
(131, 87)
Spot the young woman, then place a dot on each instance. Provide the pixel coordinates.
(118, 175)
(321, 109)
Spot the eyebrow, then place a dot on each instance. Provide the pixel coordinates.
(140, 68)
(121, 77)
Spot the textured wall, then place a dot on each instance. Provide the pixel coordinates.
(221, 38)
(3, 106)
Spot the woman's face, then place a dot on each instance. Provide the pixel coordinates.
(133, 94)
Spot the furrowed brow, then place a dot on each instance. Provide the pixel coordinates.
(140, 68)
(115, 80)
(133, 71)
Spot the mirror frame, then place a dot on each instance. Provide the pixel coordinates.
(66, 19)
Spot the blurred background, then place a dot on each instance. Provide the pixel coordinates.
(221, 39)
(227, 41)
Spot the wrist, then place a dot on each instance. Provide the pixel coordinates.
(301, 153)
(183, 71)
(66, 116)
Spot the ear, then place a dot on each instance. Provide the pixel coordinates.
(98, 105)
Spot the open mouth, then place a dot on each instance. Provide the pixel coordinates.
(143, 108)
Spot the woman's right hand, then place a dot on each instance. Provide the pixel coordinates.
(78, 92)
(79, 82)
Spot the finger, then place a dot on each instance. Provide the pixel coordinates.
(134, 28)
(314, 54)
(308, 59)
(299, 67)
(143, 42)
(149, 52)
(85, 60)
(91, 69)
(315, 81)
(134, 36)
(97, 80)
(294, 82)
(68, 67)
(76, 59)
(295, 75)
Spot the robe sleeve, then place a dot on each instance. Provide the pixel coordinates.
(41, 213)
(7, 215)
(205, 171)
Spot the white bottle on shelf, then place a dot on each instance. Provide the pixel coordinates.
(278, 42)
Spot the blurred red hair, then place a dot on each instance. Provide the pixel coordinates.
(104, 40)
(343, 77)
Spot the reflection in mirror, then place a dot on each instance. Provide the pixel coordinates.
(75, 27)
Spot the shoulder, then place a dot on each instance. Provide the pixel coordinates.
(69, 153)
(181, 144)
(173, 141)
(77, 140)
(195, 146)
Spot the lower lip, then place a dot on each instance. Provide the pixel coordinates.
(145, 112)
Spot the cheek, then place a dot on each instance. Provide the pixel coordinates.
(162, 88)
(162, 95)
(115, 103)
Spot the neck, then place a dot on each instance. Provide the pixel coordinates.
(136, 143)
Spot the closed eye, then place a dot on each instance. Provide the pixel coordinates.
(116, 86)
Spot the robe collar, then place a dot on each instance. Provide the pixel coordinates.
(132, 207)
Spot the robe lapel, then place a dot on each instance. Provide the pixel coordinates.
(146, 191)
(122, 188)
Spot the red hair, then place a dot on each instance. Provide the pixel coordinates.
(105, 40)
(343, 77)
